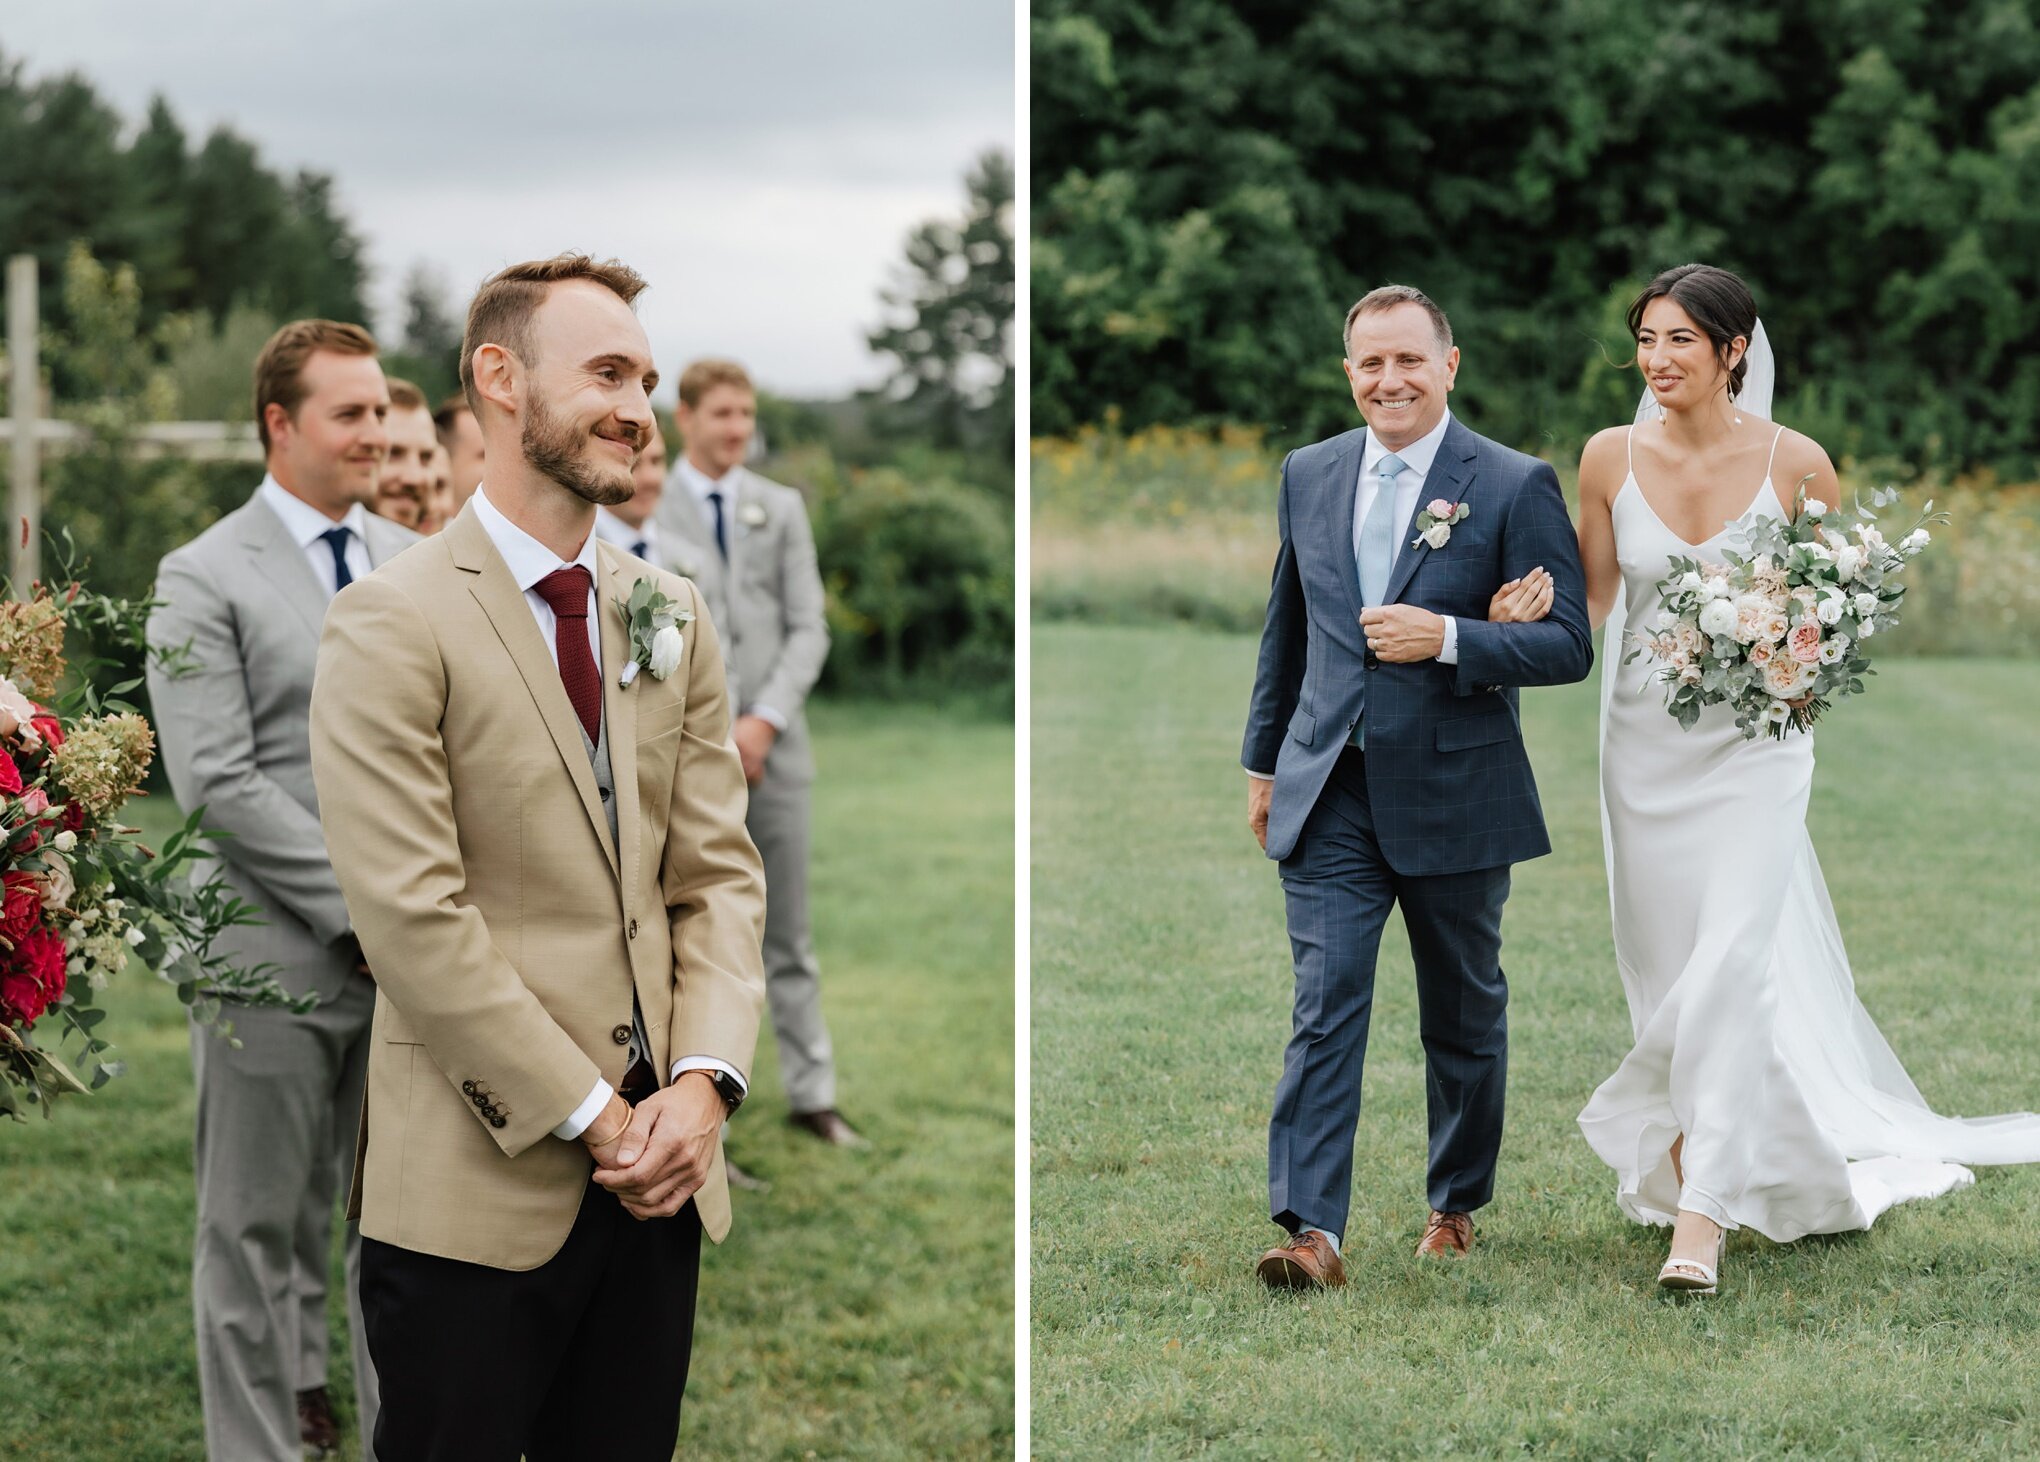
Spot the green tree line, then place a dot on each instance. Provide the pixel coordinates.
(1215, 183)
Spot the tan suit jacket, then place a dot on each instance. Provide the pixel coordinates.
(505, 931)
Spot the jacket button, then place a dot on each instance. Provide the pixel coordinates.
(468, 1087)
(633, 929)
(498, 1122)
(621, 1035)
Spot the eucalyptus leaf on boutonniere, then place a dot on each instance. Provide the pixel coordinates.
(1434, 522)
(655, 642)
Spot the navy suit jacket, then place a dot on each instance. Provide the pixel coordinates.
(1447, 775)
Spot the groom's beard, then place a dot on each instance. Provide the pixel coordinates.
(561, 450)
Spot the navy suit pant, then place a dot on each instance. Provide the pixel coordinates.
(1339, 891)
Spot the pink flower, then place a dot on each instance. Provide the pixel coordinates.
(16, 709)
(1760, 653)
(1804, 642)
(1439, 508)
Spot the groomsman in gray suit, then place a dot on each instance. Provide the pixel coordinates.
(277, 1118)
(745, 541)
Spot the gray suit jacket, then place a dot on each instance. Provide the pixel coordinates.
(236, 729)
(767, 602)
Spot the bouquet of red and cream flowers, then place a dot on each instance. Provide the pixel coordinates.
(1777, 631)
(81, 898)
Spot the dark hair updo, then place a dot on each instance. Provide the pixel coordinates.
(1719, 303)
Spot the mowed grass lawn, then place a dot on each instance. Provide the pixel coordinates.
(861, 1308)
(1161, 991)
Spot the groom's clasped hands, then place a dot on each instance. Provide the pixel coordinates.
(654, 1155)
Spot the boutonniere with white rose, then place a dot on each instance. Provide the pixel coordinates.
(752, 514)
(655, 642)
(1435, 521)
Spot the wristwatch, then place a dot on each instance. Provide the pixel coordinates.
(726, 1086)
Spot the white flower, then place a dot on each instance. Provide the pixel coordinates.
(1831, 608)
(1666, 619)
(666, 649)
(1848, 562)
(1815, 508)
(134, 937)
(58, 886)
(1866, 605)
(1438, 534)
(1834, 650)
(1867, 628)
(1717, 616)
(1833, 539)
(1777, 713)
(1689, 675)
(1718, 588)
(1820, 551)
(65, 841)
(1872, 538)
(1689, 583)
(1914, 541)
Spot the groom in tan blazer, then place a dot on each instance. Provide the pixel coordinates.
(549, 874)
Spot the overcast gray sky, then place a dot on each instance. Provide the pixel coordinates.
(760, 164)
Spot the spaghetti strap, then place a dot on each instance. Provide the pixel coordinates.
(1629, 448)
(1772, 460)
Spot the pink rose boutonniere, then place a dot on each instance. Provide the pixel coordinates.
(1435, 521)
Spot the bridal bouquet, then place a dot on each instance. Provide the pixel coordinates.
(80, 897)
(1777, 631)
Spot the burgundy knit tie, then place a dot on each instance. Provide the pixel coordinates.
(566, 590)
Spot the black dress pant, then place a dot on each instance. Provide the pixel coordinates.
(584, 1356)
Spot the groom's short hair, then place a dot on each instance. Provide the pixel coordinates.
(1387, 298)
(502, 308)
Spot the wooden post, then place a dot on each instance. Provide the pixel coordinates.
(24, 527)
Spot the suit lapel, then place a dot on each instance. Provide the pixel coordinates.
(281, 561)
(681, 514)
(1447, 479)
(510, 616)
(619, 705)
(733, 524)
(1343, 482)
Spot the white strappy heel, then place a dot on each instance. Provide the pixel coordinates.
(1690, 1276)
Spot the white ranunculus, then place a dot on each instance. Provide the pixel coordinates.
(1866, 605)
(1438, 534)
(666, 648)
(1717, 617)
(1689, 583)
(1718, 588)
(1666, 619)
(1914, 541)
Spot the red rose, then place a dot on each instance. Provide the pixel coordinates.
(10, 775)
(48, 727)
(74, 816)
(20, 908)
(34, 976)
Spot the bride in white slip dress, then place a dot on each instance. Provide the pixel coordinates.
(1759, 1093)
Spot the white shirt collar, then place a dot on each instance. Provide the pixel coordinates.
(613, 529)
(1417, 457)
(701, 484)
(529, 560)
(305, 523)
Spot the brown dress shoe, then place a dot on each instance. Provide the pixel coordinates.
(1446, 1236)
(1305, 1260)
(317, 1429)
(828, 1124)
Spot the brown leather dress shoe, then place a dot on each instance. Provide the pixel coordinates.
(1446, 1236)
(828, 1124)
(1304, 1260)
(317, 1429)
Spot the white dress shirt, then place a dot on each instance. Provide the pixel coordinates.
(701, 485)
(612, 529)
(307, 526)
(1417, 459)
(529, 561)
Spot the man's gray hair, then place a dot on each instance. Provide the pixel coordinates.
(1387, 298)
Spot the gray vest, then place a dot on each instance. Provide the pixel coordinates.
(605, 785)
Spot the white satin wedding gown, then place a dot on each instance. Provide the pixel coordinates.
(1798, 1118)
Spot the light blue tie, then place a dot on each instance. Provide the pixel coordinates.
(1377, 535)
(1376, 552)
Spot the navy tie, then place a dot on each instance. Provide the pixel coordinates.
(336, 539)
(641, 549)
(722, 545)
